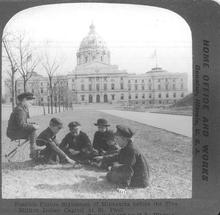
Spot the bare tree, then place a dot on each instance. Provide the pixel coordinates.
(12, 64)
(25, 60)
(50, 68)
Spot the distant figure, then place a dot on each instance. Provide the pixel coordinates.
(77, 145)
(18, 127)
(129, 167)
(52, 153)
(104, 140)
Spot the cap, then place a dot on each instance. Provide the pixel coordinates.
(28, 96)
(102, 122)
(73, 124)
(124, 131)
(56, 122)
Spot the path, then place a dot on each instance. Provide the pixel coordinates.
(178, 124)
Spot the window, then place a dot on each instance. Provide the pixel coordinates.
(166, 86)
(90, 79)
(33, 91)
(90, 87)
(122, 86)
(122, 96)
(129, 96)
(159, 95)
(105, 86)
(150, 96)
(129, 81)
(142, 87)
(82, 98)
(41, 83)
(174, 95)
(181, 86)
(97, 78)
(129, 87)
(113, 97)
(136, 96)
(143, 96)
(86, 59)
(174, 86)
(113, 86)
(82, 87)
(159, 101)
(101, 58)
(135, 81)
(136, 87)
(42, 90)
(121, 78)
(142, 81)
(97, 87)
(105, 78)
(159, 80)
(41, 99)
(182, 94)
(159, 87)
(167, 95)
(150, 87)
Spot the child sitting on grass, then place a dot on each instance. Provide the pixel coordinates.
(129, 168)
(47, 138)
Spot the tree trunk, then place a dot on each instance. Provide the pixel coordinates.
(13, 89)
(25, 83)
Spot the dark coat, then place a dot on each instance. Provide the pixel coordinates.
(18, 127)
(104, 142)
(44, 138)
(133, 168)
(80, 143)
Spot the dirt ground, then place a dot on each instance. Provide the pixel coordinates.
(169, 156)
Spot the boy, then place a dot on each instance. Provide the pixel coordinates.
(18, 126)
(77, 145)
(47, 138)
(103, 140)
(129, 167)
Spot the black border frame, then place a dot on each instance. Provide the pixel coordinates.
(203, 17)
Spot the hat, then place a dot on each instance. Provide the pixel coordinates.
(124, 131)
(101, 122)
(28, 96)
(73, 124)
(56, 122)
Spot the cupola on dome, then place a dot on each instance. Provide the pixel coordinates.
(93, 49)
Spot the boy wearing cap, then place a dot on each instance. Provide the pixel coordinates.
(47, 138)
(18, 126)
(76, 144)
(129, 167)
(104, 141)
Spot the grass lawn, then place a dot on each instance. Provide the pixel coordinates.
(169, 156)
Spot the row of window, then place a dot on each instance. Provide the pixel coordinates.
(129, 97)
(158, 80)
(129, 87)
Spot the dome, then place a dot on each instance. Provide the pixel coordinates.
(93, 49)
(92, 41)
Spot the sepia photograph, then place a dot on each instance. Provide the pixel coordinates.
(96, 103)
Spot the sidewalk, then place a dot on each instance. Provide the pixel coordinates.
(178, 124)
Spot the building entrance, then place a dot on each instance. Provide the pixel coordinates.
(90, 98)
(98, 98)
(105, 98)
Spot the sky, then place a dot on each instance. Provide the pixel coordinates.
(132, 34)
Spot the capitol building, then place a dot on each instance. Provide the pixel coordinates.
(95, 80)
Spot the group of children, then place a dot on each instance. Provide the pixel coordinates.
(111, 151)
